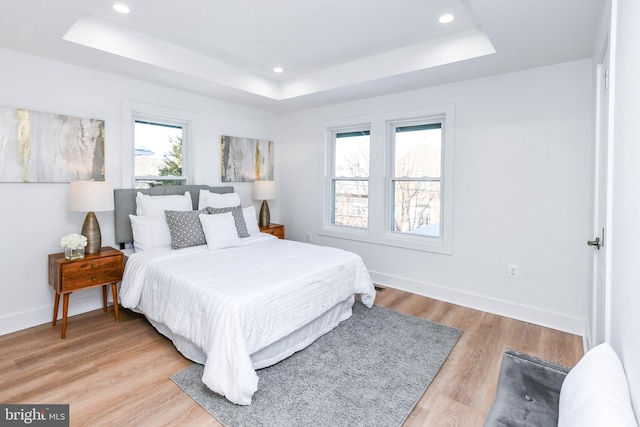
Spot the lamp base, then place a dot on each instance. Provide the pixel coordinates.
(91, 230)
(265, 217)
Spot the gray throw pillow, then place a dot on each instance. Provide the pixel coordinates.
(238, 218)
(185, 228)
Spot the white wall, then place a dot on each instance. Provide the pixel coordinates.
(625, 235)
(33, 217)
(522, 192)
(523, 156)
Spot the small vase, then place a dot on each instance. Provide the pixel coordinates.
(73, 253)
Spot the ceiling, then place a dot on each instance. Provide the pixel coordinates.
(331, 50)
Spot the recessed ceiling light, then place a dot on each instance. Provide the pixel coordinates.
(278, 70)
(445, 19)
(122, 8)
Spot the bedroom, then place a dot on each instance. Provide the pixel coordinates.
(523, 162)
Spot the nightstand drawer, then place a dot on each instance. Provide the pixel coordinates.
(278, 232)
(274, 229)
(91, 272)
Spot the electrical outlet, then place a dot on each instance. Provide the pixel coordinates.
(308, 237)
(513, 271)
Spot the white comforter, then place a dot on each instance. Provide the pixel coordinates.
(232, 302)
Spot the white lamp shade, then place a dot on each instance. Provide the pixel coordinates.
(264, 190)
(90, 196)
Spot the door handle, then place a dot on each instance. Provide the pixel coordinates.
(595, 243)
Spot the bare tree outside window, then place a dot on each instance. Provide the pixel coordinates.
(417, 178)
(351, 179)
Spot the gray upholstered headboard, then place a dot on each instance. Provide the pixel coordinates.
(125, 203)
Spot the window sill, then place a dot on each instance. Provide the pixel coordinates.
(417, 243)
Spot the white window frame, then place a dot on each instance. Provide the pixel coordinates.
(440, 244)
(330, 177)
(134, 111)
(380, 209)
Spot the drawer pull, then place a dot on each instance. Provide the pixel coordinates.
(93, 266)
(93, 279)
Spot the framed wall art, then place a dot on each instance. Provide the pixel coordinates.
(44, 147)
(245, 159)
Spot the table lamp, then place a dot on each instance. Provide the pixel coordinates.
(90, 197)
(264, 190)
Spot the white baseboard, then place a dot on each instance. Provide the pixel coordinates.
(88, 301)
(78, 303)
(549, 319)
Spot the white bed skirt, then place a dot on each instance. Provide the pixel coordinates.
(280, 349)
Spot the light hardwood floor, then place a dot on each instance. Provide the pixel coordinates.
(117, 373)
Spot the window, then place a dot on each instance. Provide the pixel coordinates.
(158, 144)
(350, 178)
(158, 153)
(416, 178)
(390, 182)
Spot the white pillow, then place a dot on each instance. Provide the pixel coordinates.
(150, 232)
(219, 230)
(214, 200)
(156, 205)
(249, 215)
(596, 393)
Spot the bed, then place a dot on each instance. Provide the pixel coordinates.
(241, 307)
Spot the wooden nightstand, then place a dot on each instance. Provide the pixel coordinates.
(275, 229)
(100, 269)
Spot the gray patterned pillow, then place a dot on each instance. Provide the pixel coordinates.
(185, 228)
(238, 218)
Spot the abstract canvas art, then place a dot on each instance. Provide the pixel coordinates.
(44, 147)
(245, 159)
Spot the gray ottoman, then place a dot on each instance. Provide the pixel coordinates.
(528, 392)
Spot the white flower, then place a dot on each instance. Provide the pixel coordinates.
(73, 241)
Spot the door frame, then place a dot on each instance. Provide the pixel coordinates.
(593, 321)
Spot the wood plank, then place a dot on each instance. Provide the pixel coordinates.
(118, 373)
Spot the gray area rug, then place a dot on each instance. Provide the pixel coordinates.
(370, 370)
